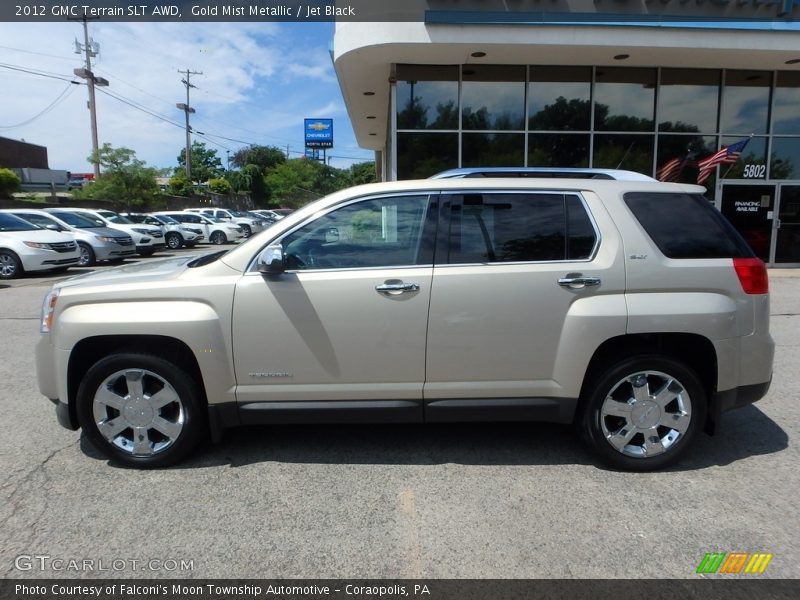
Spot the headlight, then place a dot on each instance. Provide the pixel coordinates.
(36, 245)
(142, 231)
(105, 238)
(48, 310)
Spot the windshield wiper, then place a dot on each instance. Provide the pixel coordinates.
(201, 261)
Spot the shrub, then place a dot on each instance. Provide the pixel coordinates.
(9, 183)
(220, 186)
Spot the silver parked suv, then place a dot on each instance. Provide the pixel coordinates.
(629, 307)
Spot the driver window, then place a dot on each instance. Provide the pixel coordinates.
(382, 232)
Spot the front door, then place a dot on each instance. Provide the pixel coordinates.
(347, 321)
(787, 226)
(750, 208)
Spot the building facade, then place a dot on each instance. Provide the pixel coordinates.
(652, 92)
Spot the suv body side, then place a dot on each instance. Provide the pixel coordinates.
(465, 336)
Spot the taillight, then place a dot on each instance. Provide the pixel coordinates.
(752, 274)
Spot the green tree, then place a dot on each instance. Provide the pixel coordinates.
(179, 185)
(265, 157)
(205, 162)
(220, 186)
(125, 178)
(9, 183)
(252, 180)
(299, 181)
(361, 173)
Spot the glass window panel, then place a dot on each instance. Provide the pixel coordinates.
(785, 160)
(581, 236)
(688, 100)
(751, 165)
(427, 97)
(381, 232)
(559, 98)
(492, 97)
(558, 150)
(745, 101)
(508, 228)
(492, 150)
(786, 106)
(420, 155)
(624, 99)
(678, 155)
(631, 152)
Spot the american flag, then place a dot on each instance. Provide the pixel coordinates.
(724, 156)
(671, 170)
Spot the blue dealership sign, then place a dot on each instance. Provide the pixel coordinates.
(319, 133)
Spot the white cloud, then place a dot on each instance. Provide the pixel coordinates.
(258, 82)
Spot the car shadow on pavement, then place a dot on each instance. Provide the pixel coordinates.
(743, 433)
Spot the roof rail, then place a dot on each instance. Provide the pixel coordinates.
(542, 172)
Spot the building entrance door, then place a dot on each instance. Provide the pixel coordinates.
(787, 226)
(750, 208)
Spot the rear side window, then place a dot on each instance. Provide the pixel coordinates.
(686, 226)
(488, 228)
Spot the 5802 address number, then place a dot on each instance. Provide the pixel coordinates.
(755, 171)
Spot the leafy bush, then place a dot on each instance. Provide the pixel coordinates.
(220, 186)
(179, 185)
(9, 183)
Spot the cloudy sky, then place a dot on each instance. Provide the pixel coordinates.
(259, 81)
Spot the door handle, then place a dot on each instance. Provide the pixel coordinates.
(396, 287)
(576, 281)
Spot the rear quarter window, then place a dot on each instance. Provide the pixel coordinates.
(686, 225)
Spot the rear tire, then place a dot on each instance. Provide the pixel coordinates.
(642, 413)
(246, 230)
(10, 265)
(141, 410)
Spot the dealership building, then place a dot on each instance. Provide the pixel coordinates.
(651, 86)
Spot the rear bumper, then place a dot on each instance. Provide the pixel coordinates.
(737, 397)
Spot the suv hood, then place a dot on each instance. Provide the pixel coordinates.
(43, 236)
(142, 272)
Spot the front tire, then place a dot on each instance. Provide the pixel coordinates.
(246, 231)
(87, 258)
(218, 238)
(10, 265)
(141, 410)
(174, 241)
(642, 413)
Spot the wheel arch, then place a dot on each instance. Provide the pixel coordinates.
(696, 351)
(89, 350)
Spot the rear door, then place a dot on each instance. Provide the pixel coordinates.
(525, 288)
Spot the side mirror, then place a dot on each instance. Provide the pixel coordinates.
(52, 227)
(271, 260)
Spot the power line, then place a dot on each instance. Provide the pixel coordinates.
(35, 72)
(64, 94)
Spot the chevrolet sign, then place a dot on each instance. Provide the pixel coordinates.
(319, 133)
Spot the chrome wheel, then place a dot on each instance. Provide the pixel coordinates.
(174, 241)
(86, 258)
(645, 414)
(138, 412)
(218, 238)
(9, 265)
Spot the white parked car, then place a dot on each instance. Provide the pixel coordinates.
(27, 247)
(248, 223)
(176, 235)
(147, 238)
(215, 231)
(95, 243)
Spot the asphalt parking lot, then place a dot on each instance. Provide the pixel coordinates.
(440, 501)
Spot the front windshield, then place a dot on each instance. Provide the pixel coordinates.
(115, 218)
(239, 213)
(76, 220)
(165, 219)
(13, 223)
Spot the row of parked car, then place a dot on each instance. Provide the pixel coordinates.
(57, 238)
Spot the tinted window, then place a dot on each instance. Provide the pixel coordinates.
(686, 226)
(519, 227)
(78, 221)
(12, 223)
(382, 232)
(36, 219)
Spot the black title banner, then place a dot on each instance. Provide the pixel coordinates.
(398, 589)
(489, 11)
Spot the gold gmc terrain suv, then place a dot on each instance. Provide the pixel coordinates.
(627, 306)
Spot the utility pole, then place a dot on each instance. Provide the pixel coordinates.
(91, 80)
(187, 108)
